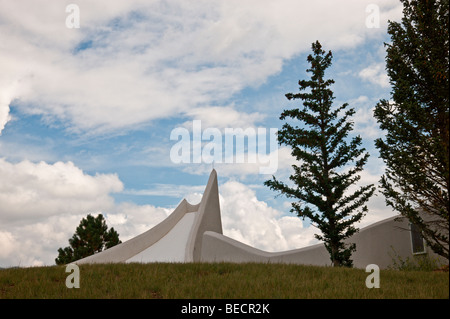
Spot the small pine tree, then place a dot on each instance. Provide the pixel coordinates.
(91, 236)
(320, 147)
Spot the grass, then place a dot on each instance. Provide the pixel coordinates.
(219, 281)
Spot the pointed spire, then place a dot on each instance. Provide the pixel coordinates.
(208, 218)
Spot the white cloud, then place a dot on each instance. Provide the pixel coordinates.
(251, 221)
(135, 61)
(365, 123)
(7, 93)
(4, 113)
(8, 242)
(375, 74)
(223, 117)
(29, 191)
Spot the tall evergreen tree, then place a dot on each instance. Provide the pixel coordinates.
(90, 237)
(324, 173)
(416, 120)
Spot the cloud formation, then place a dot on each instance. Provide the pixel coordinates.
(376, 74)
(135, 61)
(222, 117)
(29, 191)
(253, 222)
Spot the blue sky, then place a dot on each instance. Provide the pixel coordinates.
(86, 113)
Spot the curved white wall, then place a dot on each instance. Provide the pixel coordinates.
(374, 245)
(171, 247)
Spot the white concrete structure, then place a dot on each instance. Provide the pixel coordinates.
(170, 248)
(193, 233)
(178, 238)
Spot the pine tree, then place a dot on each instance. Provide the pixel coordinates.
(90, 237)
(416, 120)
(324, 173)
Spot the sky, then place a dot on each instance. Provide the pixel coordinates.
(93, 94)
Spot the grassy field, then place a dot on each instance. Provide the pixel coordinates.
(221, 281)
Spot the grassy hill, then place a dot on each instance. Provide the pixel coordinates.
(221, 280)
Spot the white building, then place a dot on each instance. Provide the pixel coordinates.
(193, 233)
